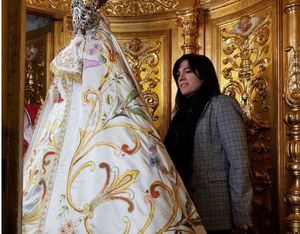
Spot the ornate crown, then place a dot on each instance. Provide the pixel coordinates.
(92, 4)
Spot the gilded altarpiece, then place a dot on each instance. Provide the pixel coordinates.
(241, 45)
(246, 74)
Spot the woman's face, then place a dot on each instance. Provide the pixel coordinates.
(188, 81)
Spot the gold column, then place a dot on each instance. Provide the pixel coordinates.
(188, 21)
(292, 115)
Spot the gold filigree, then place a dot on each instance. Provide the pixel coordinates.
(118, 185)
(38, 174)
(99, 122)
(52, 4)
(188, 21)
(112, 190)
(155, 194)
(136, 7)
(184, 225)
(292, 91)
(143, 59)
(245, 48)
(35, 71)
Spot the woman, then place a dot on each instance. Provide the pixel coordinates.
(207, 143)
(95, 164)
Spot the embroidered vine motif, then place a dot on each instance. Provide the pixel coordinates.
(107, 109)
(38, 181)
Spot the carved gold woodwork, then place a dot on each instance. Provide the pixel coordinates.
(52, 7)
(137, 7)
(56, 4)
(292, 116)
(188, 21)
(246, 49)
(143, 58)
(148, 57)
(292, 120)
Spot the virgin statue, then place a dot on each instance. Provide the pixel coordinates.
(95, 163)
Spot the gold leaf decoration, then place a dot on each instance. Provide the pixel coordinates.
(143, 59)
(50, 4)
(136, 7)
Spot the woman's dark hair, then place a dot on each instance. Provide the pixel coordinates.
(201, 65)
(179, 140)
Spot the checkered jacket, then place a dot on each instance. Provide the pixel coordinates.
(220, 185)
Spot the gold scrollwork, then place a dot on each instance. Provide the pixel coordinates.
(292, 92)
(188, 21)
(246, 48)
(55, 4)
(135, 7)
(143, 59)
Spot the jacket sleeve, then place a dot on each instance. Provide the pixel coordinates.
(233, 138)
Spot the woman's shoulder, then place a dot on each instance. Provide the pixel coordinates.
(222, 102)
(224, 99)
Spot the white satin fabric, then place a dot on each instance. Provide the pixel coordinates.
(95, 163)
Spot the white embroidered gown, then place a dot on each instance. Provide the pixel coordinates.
(95, 163)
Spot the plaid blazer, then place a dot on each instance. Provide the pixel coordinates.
(220, 185)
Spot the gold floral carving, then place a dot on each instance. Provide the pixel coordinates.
(211, 2)
(188, 21)
(143, 59)
(292, 92)
(245, 65)
(292, 120)
(137, 7)
(35, 73)
(52, 4)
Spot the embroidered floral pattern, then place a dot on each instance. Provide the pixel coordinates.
(111, 153)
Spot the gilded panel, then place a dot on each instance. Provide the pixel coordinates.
(139, 7)
(52, 7)
(148, 57)
(144, 58)
(246, 68)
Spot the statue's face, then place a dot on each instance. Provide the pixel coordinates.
(82, 15)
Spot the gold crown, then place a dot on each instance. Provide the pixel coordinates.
(93, 4)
